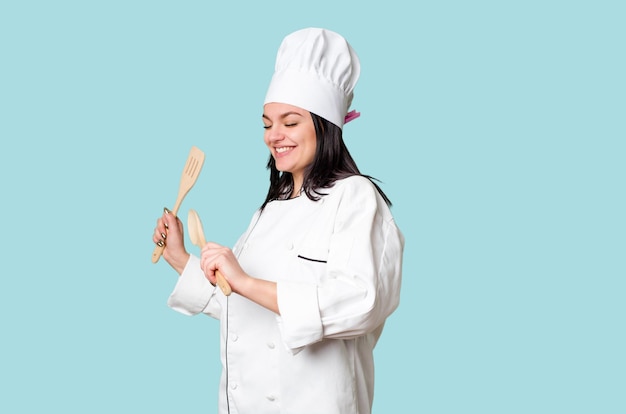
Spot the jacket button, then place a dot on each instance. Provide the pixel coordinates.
(290, 246)
(233, 386)
(271, 397)
(270, 345)
(235, 337)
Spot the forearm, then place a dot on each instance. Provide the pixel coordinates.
(178, 263)
(262, 292)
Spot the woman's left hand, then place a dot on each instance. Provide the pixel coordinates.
(217, 257)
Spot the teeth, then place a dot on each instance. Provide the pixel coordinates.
(282, 149)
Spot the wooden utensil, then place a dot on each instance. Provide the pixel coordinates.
(196, 234)
(188, 179)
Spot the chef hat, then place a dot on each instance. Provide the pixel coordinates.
(316, 70)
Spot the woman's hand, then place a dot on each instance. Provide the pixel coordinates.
(217, 257)
(169, 231)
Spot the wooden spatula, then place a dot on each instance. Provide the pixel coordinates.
(196, 234)
(188, 179)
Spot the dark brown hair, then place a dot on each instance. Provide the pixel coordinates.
(332, 162)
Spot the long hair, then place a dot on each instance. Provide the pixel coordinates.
(332, 162)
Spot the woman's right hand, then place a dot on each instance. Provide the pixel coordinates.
(169, 231)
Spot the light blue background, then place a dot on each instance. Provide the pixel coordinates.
(497, 129)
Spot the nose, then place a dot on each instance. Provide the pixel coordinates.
(275, 135)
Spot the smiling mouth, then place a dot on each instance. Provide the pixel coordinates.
(281, 150)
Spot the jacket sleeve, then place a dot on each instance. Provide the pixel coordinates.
(193, 293)
(360, 284)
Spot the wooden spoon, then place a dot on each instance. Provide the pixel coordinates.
(196, 234)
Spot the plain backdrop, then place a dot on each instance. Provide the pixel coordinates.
(497, 128)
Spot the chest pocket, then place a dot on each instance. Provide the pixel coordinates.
(313, 249)
(312, 254)
(311, 264)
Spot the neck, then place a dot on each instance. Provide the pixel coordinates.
(297, 187)
(295, 193)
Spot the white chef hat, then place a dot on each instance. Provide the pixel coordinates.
(317, 70)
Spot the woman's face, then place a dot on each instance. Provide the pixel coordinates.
(290, 136)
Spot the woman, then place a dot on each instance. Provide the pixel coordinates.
(318, 270)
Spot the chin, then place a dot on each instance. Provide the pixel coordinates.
(283, 168)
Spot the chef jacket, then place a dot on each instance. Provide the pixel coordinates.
(337, 263)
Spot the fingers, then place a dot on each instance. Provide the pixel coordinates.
(168, 230)
(168, 217)
(160, 233)
(169, 233)
(209, 259)
(217, 257)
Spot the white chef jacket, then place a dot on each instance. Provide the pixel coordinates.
(337, 263)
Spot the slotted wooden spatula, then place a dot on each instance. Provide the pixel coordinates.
(187, 180)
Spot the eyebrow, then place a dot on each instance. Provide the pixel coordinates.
(282, 116)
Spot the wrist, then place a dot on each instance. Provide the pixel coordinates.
(179, 262)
